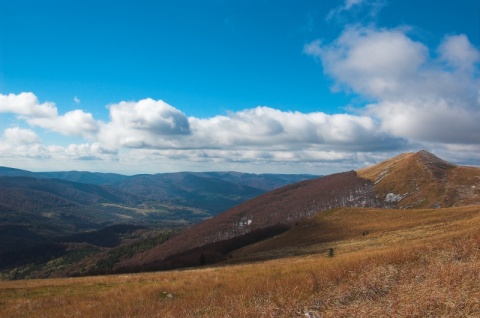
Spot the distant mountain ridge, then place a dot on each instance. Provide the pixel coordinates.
(263, 181)
(36, 206)
(210, 192)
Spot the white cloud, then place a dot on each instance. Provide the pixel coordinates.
(146, 123)
(269, 128)
(416, 96)
(93, 151)
(434, 120)
(369, 61)
(147, 130)
(18, 136)
(73, 123)
(457, 51)
(149, 115)
(45, 115)
(157, 125)
(20, 145)
(314, 49)
(342, 8)
(26, 104)
(17, 143)
(254, 160)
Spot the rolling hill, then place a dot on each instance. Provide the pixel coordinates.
(348, 230)
(385, 263)
(412, 180)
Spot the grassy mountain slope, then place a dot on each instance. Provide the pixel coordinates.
(278, 209)
(348, 229)
(409, 180)
(412, 263)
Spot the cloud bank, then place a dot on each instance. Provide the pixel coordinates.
(415, 98)
(154, 130)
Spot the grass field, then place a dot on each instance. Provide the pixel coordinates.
(386, 263)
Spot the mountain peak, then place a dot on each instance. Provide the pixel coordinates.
(406, 162)
(430, 157)
(420, 179)
(435, 165)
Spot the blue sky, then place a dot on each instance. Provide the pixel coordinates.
(255, 86)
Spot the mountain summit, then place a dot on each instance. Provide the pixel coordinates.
(410, 180)
(422, 180)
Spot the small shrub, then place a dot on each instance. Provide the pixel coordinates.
(331, 252)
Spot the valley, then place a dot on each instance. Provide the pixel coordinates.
(41, 211)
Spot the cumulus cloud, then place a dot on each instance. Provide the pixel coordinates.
(270, 128)
(369, 61)
(87, 151)
(73, 123)
(45, 115)
(22, 144)
(151, 129)
(146, 123)
(457, 51)
(252, 160)
(16, 143)
(157, 125)
(26, 104)
(149, 115)
(21, 136)
(416, 95)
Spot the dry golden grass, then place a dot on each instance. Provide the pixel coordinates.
(425, 181)
(344, 229)
(426, 264)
